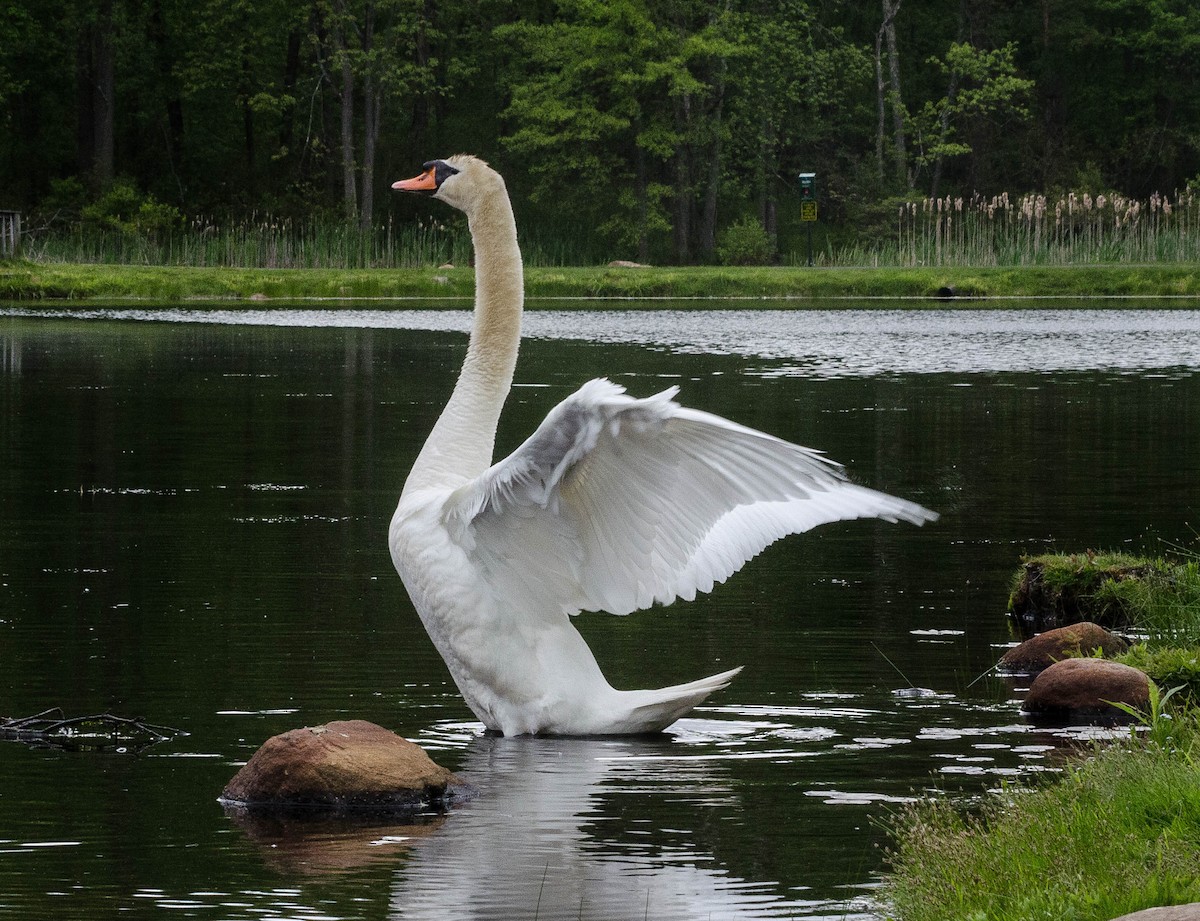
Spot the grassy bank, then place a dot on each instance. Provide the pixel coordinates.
(30, 281)
(1118, 832)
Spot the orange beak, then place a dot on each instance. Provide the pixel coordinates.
(426, 182)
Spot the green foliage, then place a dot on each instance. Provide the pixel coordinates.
(1080, 586)
(1165, 603)
(744, 242)
(631, 128)
(1155, 725)
(1174, 667)
(64, 203)
(17, 30)
(986, 86)
(595, 107)
(124, 210)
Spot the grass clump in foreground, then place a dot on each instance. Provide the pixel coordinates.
(1118, 833)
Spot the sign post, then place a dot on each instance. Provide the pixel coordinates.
(808, 207)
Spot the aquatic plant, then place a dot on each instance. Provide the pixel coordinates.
(1071, 228)
(259, 241)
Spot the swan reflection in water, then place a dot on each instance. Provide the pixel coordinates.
(549, 837)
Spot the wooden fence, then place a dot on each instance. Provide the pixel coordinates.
(10, 232)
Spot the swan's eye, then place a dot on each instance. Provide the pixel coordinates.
(441, 171)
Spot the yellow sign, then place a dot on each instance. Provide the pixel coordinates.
(808, 210)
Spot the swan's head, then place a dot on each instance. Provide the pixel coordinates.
(461, 181)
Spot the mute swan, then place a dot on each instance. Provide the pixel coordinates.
(614, 503)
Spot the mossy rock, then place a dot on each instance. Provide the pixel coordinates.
(1055, 591)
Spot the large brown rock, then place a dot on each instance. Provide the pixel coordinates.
(343, 764)
(1082, 688)
(1074, 641)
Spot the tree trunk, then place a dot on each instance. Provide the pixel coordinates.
(291, 72)
(951, 95)
(712, 185)
(372, 105)
(315, 157)
(248, 116)
(85, 120)
(643, 205)
(768, 211)
(880, 103)
(890, 9)
(421, 52)
(103, 84)
(943, 131)
(173, 105)
(349, 186)
(372, 102)
(682, 225)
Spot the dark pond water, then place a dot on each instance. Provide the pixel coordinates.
(193, 510)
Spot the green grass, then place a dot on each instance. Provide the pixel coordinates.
(26, 280)
(1070, 587)
(1169, 667)
(1118, 833)
(1165, 604)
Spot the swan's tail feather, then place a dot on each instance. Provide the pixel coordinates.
(654, 711)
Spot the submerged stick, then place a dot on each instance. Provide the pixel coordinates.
(52, 729)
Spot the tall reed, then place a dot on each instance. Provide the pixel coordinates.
(266, 242)
(1076, 228)
(260, 241)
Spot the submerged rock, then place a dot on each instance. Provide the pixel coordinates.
(1085, 689)
(347, 764)
(1042, 651)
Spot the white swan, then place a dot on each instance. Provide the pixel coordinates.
(614, 503)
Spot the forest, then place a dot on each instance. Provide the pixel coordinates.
(670, 131)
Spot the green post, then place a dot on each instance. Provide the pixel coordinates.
(808, 206)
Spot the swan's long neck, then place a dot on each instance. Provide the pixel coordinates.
(461, 443)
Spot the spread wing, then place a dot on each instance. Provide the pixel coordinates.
(615, 503)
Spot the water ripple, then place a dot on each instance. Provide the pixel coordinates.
(812, 343)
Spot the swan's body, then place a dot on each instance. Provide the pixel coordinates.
(614, 503)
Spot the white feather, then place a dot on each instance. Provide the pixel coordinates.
(613, 504)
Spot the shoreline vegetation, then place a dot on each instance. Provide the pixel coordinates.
(1118, 830)
(1177, 284)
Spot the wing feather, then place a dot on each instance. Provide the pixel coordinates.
(616, 503)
